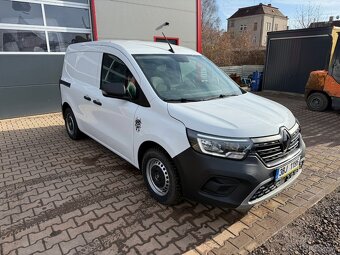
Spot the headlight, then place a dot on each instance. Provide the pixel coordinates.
(298, 122)
(220, 146)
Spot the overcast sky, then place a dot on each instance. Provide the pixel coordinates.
(287, 7)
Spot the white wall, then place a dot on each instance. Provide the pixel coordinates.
(282, 25)
(138, 19)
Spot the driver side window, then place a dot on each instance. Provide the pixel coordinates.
(114, 72)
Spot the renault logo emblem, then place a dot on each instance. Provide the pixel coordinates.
(286, 139)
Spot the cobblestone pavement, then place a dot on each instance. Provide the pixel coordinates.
(58, 196)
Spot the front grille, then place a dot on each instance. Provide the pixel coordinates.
(270, 151)
(270, 186)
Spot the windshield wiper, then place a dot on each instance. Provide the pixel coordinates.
(182, 100)
(219, 96)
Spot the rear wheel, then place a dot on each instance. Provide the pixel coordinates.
(71, 125)
(161, 177)
(317, 102)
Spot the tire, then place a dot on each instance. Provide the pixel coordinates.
(161, 177)
(318, 102)
(71, 125)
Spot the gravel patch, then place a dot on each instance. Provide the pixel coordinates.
(315, 232)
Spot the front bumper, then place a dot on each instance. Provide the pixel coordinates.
(230, 183)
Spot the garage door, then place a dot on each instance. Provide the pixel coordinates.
(33, 38)
(290, 61)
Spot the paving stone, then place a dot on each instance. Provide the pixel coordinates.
(71, 244)
(207, 246)
(148, 247)
(186, 242)
(222, 237)
(147, 234)
(49, 195)
(241, 240)
(237, 227)
(90, 236)
(167, 237)
(288, 207)
(32, 249)
(73, 232)
(171, 249)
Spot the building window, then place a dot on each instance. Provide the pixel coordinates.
(43, 26)
(62, 16)
(254, 39)
(269, 26)
(276, 27)
(21, 13)
(255, 26)
(25, 41)
(59, 41)
(172, 40)
(243, 27)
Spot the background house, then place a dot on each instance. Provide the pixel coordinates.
(257, 20)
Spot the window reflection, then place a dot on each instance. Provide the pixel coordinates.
(67, 16)
(27, 31)
(60, 41)
(25, 41)
(14, 12)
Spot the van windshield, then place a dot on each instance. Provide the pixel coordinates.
(186, 78)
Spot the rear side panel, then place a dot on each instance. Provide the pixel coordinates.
(81, 70)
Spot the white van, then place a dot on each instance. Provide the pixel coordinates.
(179, 119)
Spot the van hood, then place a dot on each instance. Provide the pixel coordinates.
(247, 115)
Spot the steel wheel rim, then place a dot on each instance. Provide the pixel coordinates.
(69, 123)
(158, 177)
(316, 102)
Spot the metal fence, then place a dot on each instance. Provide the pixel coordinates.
(243, 71)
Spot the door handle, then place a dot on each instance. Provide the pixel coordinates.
(87, 98)
(97, 102)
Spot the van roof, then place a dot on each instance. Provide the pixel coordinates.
(133, 47)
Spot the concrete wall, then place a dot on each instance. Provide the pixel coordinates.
(137, 19)
(29, 84)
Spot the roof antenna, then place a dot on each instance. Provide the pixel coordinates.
(160, 27)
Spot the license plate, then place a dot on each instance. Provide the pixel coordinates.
(282, 172)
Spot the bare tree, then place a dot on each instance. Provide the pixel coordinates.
(210, 19)
(307, 14)
(225, 48)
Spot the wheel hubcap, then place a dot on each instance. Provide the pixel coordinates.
(69, 123)
(315, 102)
(157, 176)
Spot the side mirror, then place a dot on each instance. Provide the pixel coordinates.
(114, 89)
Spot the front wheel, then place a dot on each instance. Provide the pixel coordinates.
(161, 177)
(318, 102)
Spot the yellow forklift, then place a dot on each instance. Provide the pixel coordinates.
(323, 86)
